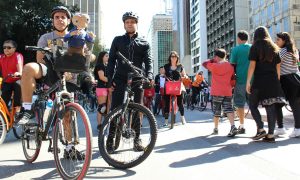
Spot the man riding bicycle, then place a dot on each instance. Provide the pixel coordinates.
(196, 86)
(137, 50)
(42, 71)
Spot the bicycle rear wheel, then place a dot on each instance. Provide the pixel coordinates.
(72, 143)
(137, 125)
(3, 130)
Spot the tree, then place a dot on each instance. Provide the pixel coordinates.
(25, 21)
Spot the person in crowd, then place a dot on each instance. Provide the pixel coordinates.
(137, 50)
(239, 58)
(174, 71)
(159, 81)
(198, 79)
(289, 56)
(102, 92)
(221, 89)
(265, 89)
(42, 70)
(11, 63)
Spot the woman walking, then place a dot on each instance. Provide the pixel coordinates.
(289, 56)
(265, 88)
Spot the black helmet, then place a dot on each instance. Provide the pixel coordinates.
(130, 14)
(60, 8)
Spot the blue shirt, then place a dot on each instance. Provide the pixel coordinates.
(77, 40)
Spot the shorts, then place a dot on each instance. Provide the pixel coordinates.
(240, 95)
(49, 76)
(101, 92)
(222, 103)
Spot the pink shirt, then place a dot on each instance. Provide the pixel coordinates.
(221, 76)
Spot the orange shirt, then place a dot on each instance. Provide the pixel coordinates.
(198, 80)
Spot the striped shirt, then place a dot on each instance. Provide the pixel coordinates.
(287, 63)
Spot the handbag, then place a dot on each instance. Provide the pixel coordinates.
(150, 92)
(173, 87)
(294, 78)
(74, 63)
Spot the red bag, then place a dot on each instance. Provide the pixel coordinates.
(149, 92)
(173, 87)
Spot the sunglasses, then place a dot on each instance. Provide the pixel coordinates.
(174, 56)
(7, 47)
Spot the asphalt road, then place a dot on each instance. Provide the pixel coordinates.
(185, 152)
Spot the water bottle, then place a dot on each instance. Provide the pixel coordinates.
(47, 111)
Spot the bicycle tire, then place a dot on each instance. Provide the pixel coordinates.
(31, 132)
(3, 130)
(74, 152)
(109, 120)
(173, 115)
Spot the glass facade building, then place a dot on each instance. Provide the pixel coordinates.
(277, 16)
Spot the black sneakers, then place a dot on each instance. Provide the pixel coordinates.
(137, 145)
(24, 117)
(233, 131)
(259, 135)
(74, 154)
(241, 130)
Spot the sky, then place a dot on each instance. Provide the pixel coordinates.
(114, 9)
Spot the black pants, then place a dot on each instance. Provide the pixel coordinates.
(117, 99)
(179, 103)
(7, 89)
(271, 111)
(195, 92)
(156, 102)
(292, 94)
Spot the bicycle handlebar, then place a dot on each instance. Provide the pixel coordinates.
(36, 48)
(137, 71)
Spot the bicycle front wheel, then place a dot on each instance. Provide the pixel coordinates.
(137, 139)
(72, 143)
(3, 130)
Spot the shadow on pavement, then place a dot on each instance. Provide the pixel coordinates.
(10, 170)
(224, 151)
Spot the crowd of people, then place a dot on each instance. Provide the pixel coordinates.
(264, 73)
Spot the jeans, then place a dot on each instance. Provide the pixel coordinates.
(156, 102)
(179, 104)
(271, 111)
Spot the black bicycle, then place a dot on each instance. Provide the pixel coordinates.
(126, 123)
(72, 134)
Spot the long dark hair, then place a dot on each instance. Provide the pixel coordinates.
(173, 53)
(100, 57)
(289, 44)
(266, 48)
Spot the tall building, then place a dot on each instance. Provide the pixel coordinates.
(224, 19)
(181, 32)
(92, 8)
(161, 38)
(198, 35)
(277, 16)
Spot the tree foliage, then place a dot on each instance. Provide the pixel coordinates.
(24, 21)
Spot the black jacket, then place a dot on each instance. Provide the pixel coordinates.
(136, 49)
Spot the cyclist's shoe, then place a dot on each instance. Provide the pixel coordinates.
(233, 131)
(24, 117)
(215, 131)
(137, 145)
(110, 146)
(183, 120)
(74, 154)
(241, 130)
